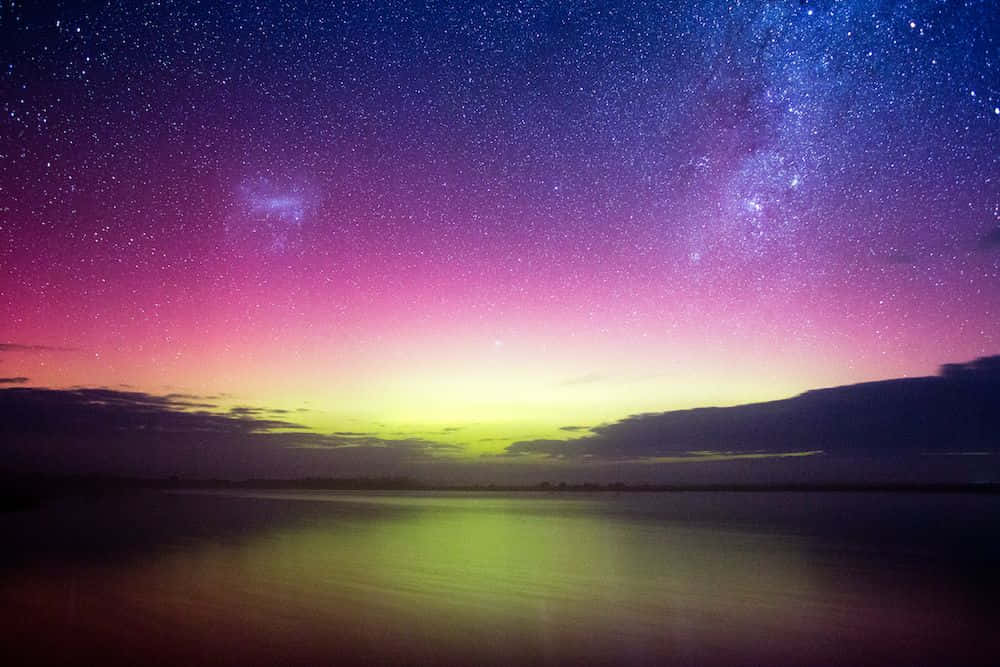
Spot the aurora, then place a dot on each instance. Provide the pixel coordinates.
(478, 228)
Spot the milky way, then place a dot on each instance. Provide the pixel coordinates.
(407, 216)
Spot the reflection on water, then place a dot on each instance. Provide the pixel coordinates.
(434, 578)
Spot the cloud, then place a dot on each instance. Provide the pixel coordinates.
(247, 411)
(14, 380)
(244, 411)
(18, 347)
(990, 239)
(959, 410)
(899, 258)
(411, 445)
(128, 432)
(589, 378)
(574, 428)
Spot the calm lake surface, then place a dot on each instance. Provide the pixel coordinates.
(458, 578)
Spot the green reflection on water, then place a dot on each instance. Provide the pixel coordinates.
(440, 578)
(523, 575)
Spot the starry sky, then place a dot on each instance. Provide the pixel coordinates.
(475, 224)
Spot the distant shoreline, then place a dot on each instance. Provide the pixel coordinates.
(22, 490)
(657, 488)
(613, 488)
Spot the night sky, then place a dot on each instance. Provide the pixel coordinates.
(443, 228)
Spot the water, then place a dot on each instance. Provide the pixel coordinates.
(463, 579)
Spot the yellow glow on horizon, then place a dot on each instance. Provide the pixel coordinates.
(484, 412)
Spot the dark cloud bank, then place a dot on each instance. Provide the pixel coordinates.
(123, 432)
(957, 411)
(943, 428)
